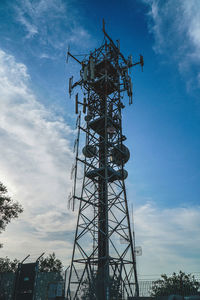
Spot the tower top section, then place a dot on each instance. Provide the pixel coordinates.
(105, 70)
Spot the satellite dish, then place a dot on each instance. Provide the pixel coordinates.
(138, 251)
(120, 154)
(89, 151)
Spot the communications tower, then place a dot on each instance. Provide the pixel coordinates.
(103, 262)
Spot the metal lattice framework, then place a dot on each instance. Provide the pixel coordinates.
(103, 260)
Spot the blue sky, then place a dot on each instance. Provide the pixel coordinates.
(162, 127)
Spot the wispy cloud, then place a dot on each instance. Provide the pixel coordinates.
(35, 161)
(31, 29)
(176, 27)
(53, 23)
(31, 14)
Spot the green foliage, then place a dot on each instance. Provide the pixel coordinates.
(50, 264)
(8, 208)
(89, 289)
(179, 284)
(7, 265)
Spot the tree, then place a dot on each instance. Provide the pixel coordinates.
(89, 288)
(7, 265)
(177, 284)
(8, 208)
(50, 264)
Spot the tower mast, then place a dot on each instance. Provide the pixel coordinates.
(103, 262)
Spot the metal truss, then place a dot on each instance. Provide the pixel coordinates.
(103, 262)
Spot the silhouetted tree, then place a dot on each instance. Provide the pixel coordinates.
(50, 264)
(179, 284)
(89, 288)
(8, 208)
(8, 265)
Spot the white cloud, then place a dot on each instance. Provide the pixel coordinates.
(31, 28)
(35, 162)
(176, 27)
(31, 13)
(169, 238)
(54, 23)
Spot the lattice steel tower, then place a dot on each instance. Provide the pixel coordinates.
(103, 262)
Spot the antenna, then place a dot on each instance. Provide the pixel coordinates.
(141, 61)
(70, 85)
(69, 200)
(67, 54)
(103, 25)
(84, 105)
(76, 104)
